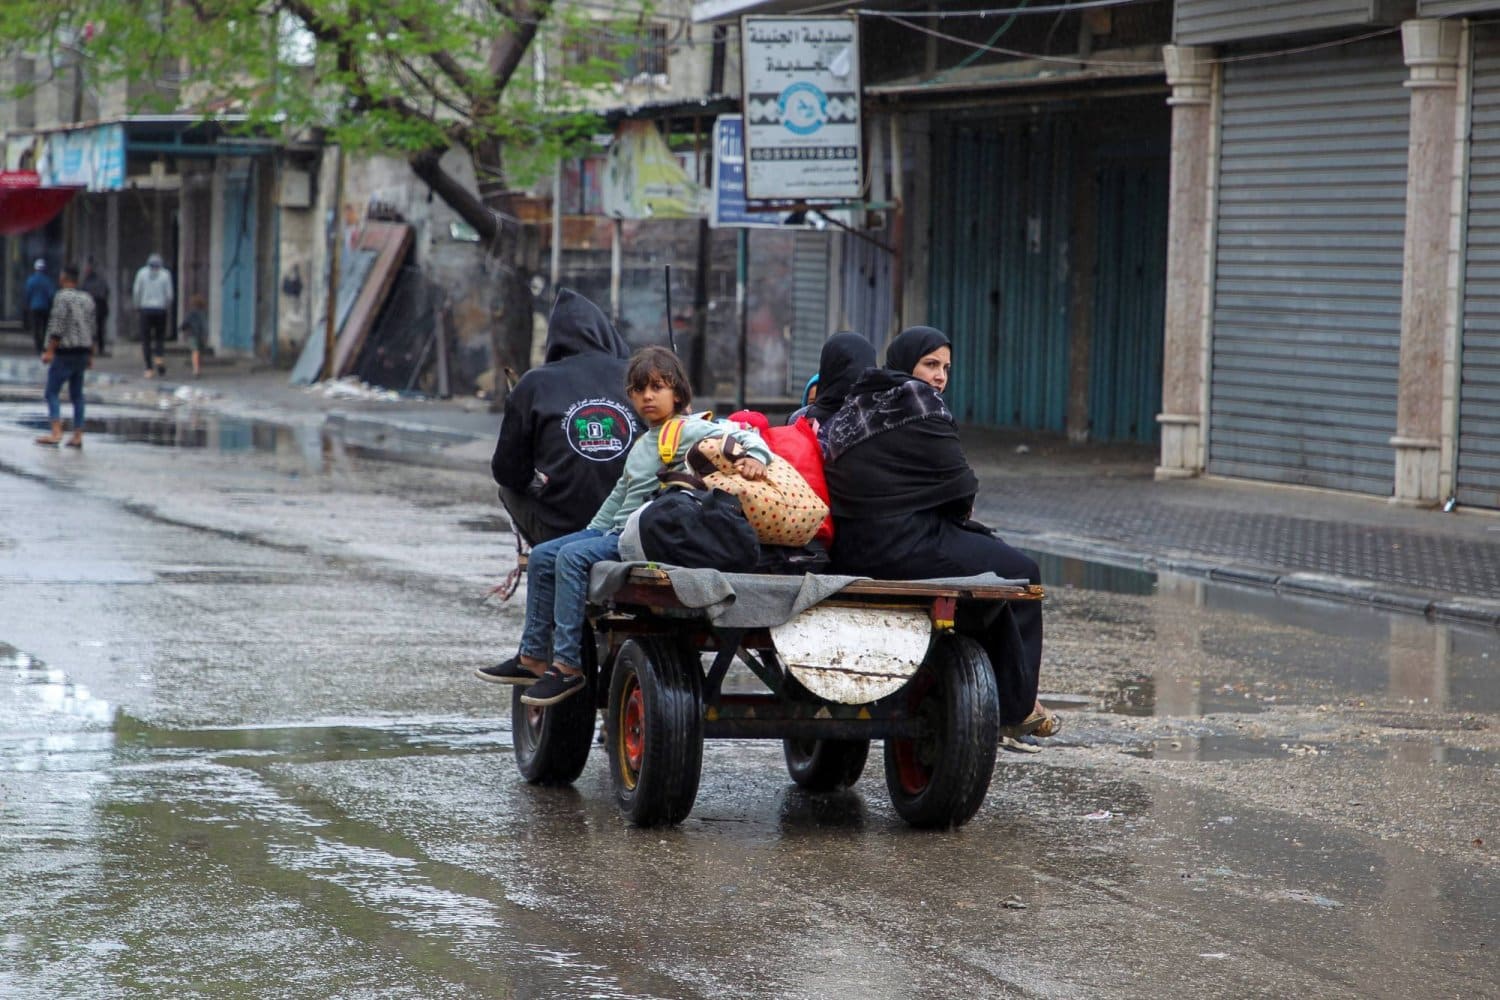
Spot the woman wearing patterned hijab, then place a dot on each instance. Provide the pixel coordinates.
(902, 494)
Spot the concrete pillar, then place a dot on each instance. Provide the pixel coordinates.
(1431, 48)
(1190, 75)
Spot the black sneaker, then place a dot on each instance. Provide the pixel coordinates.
(554, 687)
(508, 672)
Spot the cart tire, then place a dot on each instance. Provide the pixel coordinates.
(940, 778)
(654, 731)
(552, 744)
(825, 765)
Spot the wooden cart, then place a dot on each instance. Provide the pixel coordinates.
(886, 660)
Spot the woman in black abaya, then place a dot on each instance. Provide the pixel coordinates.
(902, 494)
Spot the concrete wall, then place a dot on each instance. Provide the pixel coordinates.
(462, 278)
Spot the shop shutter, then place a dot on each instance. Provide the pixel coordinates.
(1478, 481)
(867, 287)
(809, 308)
(1306, 314)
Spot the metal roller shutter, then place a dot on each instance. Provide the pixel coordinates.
(1307, 285)
(809, 308)
(867, 288)
(1478, 481)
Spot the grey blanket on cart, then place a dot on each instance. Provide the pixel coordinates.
(752, 600)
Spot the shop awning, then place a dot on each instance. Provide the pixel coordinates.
(26, 205)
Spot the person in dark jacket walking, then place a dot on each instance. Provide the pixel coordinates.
(39, 293)
(568, 425)
(98, 290)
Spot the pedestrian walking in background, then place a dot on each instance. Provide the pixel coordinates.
(68, 353)
(152, 295)
(195, 327)
(39, 293)
(98, 289)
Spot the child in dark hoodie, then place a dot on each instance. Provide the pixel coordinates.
(568, 425)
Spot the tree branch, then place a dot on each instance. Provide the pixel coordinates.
(509, 48)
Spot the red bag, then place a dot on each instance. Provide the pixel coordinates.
(798, 444)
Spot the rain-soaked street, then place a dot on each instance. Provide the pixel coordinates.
(243, 753)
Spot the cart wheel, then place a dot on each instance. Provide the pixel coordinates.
(654, 731)
(825, 765)
(940, 778)
(552, 744)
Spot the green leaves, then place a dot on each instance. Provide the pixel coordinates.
(391, 76)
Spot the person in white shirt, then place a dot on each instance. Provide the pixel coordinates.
(152, 294)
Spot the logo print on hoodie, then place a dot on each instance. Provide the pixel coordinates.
(599, 429)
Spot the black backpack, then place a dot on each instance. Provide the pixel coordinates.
(698, 529)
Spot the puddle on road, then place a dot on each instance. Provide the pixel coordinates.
(318, 446)
(327, 739)
(1270, 649)
(37, 690)
(1217, 749)
(1066, 571)
(219, 433)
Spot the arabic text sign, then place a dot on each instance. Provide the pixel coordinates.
(801, 94)
(729, 208)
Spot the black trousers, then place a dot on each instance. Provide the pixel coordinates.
(100, 316)
(39, 319)
(928, 544)
(153, 334)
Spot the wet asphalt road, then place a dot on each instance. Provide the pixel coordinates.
(242, 754)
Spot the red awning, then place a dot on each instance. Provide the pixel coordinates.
(26, 205)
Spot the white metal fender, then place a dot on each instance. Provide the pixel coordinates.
(854, 655)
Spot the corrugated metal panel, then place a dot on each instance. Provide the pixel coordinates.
(1307, 288)
(809, 308)
(1208, 22)
(1448, 8)
(1478, 481)
(1001, 204)
(867, 288)
(1129, 302)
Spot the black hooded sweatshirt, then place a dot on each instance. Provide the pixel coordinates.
(569, 420)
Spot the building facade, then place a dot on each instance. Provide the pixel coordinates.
(1016, 197)
(1332, 317)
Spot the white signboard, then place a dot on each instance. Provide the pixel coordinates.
(801, 102)
(93, 158)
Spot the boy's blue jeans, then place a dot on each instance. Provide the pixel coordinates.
(557, 591)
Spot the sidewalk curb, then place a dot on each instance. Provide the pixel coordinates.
(399, 437)
(1348, 590)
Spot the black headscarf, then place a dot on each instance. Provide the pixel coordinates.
(912, 345)
(893, 450)
(845, 356)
